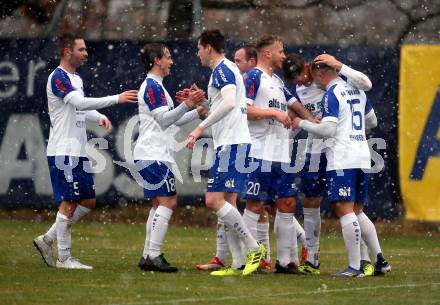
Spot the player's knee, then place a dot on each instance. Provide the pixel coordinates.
(88, 203)
(286, 205)
(254, 206)
(67, 208)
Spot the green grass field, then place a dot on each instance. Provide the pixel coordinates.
(114, 250)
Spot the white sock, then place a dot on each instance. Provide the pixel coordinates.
(222, 242)
(238, 257)
(51, 234)
(285, 234)
(299, 235)
(369, 234)
(263, 236)
(251, 220)
(351, 232)
(312, 228)
(364, 250)
(232, 218)
(64, 236)
(159, 227)
(79, 213)
(148, 232)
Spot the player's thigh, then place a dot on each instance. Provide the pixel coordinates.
(224, 177)
(313, 179)
(283, 188)
(83, 174)
(231, 198)
(157, 178)
(257, 183)
(65, 184)
(215, 200)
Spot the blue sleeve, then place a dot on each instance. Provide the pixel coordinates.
(61, 85)
(330, 105)
(289, 95)
(368, 106)
(154, 95)
(252, 84)
(222, 76)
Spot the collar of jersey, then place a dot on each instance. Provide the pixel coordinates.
(155, 77)
(333, 82)
(59, 67)
(219, 63)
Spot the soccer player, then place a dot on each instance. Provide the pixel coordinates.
(70, 172)
(245, 58)
(268, 104)
(297, 70)
(230, 132)
(346, 114)
(153, 153)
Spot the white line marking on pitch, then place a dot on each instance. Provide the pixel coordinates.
(320, 291)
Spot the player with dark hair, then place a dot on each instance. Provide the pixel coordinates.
(230, 132)
(153, 153)
(69, 168)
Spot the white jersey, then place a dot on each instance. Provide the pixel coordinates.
(311, 98)
(67, 136)
(346, 106)
(153, 142)
(270, 139)
(233, 128)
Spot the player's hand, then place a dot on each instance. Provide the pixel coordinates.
(130, 96)
(195, 97)
(202, 111)
(182, 95)
(317, 120)
(295, 122)
(193, 136)
(283, 118)
(105, 122)
(329, 60)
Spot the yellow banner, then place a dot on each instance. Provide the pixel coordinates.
(419, 131)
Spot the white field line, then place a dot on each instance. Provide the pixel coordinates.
(315, 292)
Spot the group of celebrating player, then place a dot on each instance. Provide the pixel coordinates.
(253, 117)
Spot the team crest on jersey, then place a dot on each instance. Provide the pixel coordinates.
(230, 183)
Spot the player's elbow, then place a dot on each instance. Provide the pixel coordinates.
(367, 85)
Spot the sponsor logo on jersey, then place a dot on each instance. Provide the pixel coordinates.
(344, 191)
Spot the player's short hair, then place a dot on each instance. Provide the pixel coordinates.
(250, 51)
(266, 41)
(67, 41)
(214, 38)
(150, 52)
(293, 65)
(323, 67)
